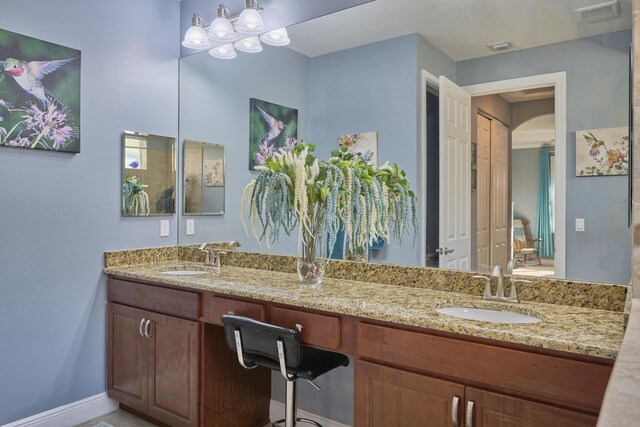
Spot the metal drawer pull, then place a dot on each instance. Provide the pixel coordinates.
(140, 327)
(299, 327)
(469, 415)
(146, 329)
(454, 411)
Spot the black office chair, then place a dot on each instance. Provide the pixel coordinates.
(262, 344)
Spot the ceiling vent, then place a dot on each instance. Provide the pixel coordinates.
(599, 12)
(500, 46)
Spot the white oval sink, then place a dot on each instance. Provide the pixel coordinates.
(487, 315)
(184, 272)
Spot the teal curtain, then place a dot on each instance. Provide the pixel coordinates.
(544, 222)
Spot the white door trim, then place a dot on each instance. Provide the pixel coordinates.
(559, 82)
(425, 78)
(71, 414)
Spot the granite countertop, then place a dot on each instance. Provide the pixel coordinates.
(621, 405)
(579, 330)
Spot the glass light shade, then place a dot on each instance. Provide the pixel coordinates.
(278, 37)
(221, 30)
(250, 45)
(223, 52)
(250, 22)
(196, 38)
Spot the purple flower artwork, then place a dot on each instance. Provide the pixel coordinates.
(39, 94)
(271, 126)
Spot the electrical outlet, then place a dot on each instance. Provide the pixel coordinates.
(191, 227)
(164, 228)
(579, 224)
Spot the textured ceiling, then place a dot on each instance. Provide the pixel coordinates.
(460, 28)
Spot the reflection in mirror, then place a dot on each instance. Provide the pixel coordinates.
(203, 178)
(148, 174)
(516, 173)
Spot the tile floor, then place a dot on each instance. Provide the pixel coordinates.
(533, 269)
(120, 419)
(117, 419)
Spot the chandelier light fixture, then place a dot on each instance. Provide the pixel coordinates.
(227, 33)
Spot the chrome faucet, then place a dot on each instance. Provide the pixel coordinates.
(212, 256)
(499, 296)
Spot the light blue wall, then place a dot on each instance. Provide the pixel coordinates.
(214, 107)
(60, 212)
(597, 97)
(525, 183)
(375, 88)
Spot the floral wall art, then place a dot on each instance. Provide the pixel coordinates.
(365, 144)
(213, 173)
(39, 94)
(272, 126)
(602, 152)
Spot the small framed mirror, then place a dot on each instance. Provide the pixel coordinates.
(203, 178)
(148, 175)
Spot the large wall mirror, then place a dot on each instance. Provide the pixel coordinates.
(538, 171)
(203, 178)
(148, 174)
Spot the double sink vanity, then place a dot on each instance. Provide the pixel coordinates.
(416, 361)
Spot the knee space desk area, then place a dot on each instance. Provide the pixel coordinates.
(168, 361)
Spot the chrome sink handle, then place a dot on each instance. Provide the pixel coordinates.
(207, 256)
(487, 288)
(513, 294)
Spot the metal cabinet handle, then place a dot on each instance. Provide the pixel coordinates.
(140, 327)
(146, 329)
(454, 411)
(299, 327)
(469, 415)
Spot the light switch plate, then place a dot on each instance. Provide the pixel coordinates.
(579, 224)
(191, 227)
(164, 228)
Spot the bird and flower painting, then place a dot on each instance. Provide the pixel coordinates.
(272, 126)
(39, 94)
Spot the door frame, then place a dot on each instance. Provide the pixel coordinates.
(559, 82)
(426, 78)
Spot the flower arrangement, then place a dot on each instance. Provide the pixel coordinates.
(296, 189)
(136, 200)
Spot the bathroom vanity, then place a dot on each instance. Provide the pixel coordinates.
(413, 365)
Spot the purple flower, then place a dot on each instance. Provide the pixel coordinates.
(49, 124)
(594, 152)
(18, 142)
(264, 151)
(290, 143)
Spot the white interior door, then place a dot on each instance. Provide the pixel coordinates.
(499, 194)
(483, 195)
(455, 176)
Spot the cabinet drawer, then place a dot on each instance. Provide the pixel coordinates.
(317, 329)
(154, 298)
(580, 384)
(215, 307)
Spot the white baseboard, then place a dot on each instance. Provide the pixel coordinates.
(70, 415)
(276, 412)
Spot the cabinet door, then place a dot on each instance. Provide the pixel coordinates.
(127, 359)
(387, 397)
(173, 370)
(496, 410)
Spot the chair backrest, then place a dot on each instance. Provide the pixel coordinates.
(259, 340)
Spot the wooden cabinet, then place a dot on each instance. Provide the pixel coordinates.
(214, 307)
(387, 397)
(319, 330)
(485, 409)
(153, 364)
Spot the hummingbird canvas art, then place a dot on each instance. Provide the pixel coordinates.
(39, 94)
(271, 127)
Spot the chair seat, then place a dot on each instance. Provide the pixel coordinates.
(315, 362)
(528, 251)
